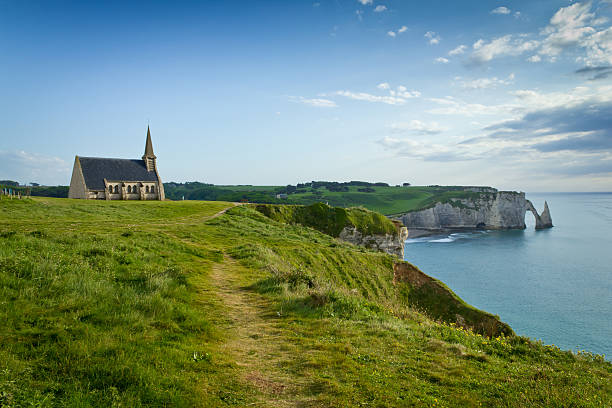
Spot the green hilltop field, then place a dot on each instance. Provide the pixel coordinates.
(209, 304)
(379, 197)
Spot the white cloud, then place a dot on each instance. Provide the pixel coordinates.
(432, 37)
(534, 58)
(500, 10)
(531, 99)
(599, 48)
(485, 83)
(427, 150)
(502, 46)
(417, 127)
(525, 100)
(363, 96)
(600, 20)
(403, 92)
(567, 28)
(573, 128)
(535, 137)
(317, 102)
(365, 2)
(442, 60)
(400, 30)
(27, 167)
(575, 25)
(517, 14)
(359, 14)
(397, 96)
(380, 8)
(574, 28)
(457, 51)
(453, 106)
(576, 14)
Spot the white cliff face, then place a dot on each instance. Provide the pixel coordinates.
(501, 210)
(390, 243)
(545, 218)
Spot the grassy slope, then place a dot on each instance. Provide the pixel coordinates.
(386, 200)
(153, 304)
(329, 220)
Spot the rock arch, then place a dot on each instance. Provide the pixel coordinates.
(543, 220)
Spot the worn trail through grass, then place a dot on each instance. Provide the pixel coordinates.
(253, 337)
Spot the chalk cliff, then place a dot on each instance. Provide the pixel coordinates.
(545, 218)
(487, 210)
(390, 243)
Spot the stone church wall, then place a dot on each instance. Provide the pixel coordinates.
(77, 182)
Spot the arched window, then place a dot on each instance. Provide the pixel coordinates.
(110, 189)
(117, 189)
(147, 189)
(152, 189)
(129, 189)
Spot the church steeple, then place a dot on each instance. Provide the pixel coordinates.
(149, 157)
(149, 146)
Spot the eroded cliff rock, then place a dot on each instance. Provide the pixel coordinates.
(545, 218)
(390, 243)
(486, 210)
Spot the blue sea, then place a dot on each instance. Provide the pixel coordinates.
(554, 285)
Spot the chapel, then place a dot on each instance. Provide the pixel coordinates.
(97, 178)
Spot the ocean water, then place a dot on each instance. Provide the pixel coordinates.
(554, 285)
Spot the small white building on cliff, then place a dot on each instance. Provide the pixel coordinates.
(96, 178)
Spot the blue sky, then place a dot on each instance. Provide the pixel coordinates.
(516, 95)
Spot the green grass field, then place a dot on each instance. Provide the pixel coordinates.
(164, 304)
(385, 200)
(247, 188)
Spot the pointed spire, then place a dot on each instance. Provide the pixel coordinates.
(149, 146)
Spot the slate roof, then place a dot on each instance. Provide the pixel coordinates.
(96, 169)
